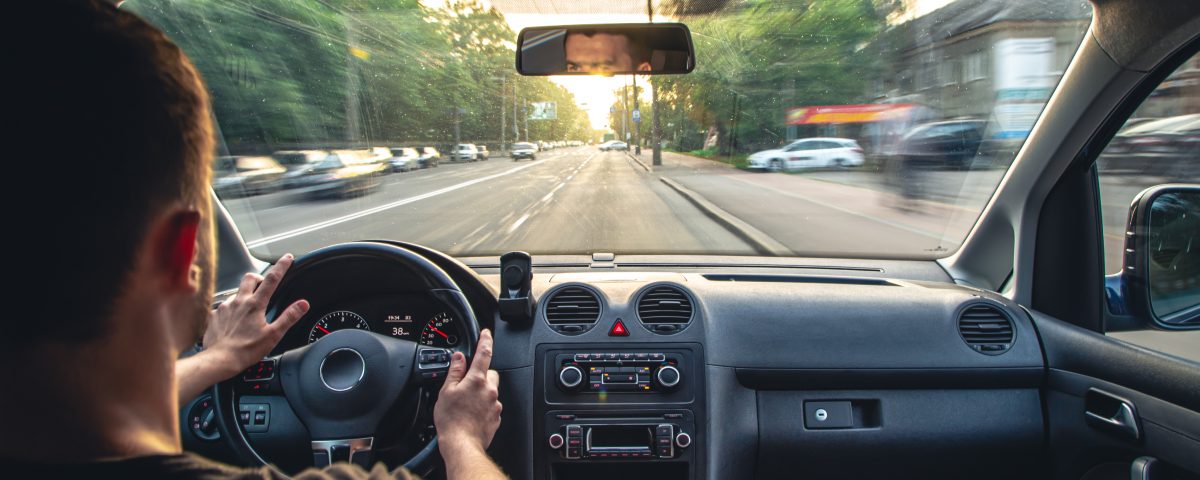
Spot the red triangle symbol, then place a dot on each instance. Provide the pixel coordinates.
(618, 329)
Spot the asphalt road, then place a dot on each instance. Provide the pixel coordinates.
(574, 200)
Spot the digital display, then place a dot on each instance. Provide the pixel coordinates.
(622, 436)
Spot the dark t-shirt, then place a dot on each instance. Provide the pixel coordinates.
(187, 466)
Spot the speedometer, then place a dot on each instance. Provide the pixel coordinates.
(334, 321)
(440, 331)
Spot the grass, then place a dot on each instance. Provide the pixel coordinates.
(737, 160)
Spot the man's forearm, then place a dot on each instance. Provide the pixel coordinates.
(468, 462)
(198, 372)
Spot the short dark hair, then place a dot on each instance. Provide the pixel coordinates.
(115, 122)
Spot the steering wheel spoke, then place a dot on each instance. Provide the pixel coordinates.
(359, 451)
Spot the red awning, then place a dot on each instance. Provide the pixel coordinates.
(862, 113)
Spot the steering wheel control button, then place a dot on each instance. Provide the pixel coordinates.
(667, 376)
(683, 440)
(260, 372)
(618, 330)
(255, 417)
(342, 369)
(556, 441)
(823, 415)
(431, 358)
(570, 377)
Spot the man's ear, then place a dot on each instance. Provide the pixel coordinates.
(175, 252)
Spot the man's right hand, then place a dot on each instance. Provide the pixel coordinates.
(467, 412)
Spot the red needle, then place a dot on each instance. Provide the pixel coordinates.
(439, 332)
(323, 329)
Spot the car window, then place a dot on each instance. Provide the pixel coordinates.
(286, 75)
(1162, 146)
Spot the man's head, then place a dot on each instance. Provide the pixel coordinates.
(605, 53)
(117, 119)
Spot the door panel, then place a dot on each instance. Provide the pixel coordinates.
(1163, 391)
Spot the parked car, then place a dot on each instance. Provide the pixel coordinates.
(809, 153)
(429, 157)
(345, 173)
(298, 163)
(246, 176)
(404, 159)
(946, 144)
(524, 150)
(1169, 144)
(464, 152)
(483, 152)
(614, 145)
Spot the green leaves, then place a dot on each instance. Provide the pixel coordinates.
(337, 73)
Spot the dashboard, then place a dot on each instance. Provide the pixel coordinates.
(410, 316)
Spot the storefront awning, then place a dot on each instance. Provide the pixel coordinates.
(862, 113)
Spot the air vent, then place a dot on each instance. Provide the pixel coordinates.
(572, 310)
(986, 329)
(665, 309)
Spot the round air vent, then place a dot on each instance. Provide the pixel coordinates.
(572, 310)
(986, 329)
(665, 309)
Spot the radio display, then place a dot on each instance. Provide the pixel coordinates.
(622, 436)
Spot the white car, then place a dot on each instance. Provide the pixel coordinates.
(809, 153)
(466, 152)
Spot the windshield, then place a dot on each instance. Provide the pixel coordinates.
(829, 128)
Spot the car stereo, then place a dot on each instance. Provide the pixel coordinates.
(662, 436)
(636, 372)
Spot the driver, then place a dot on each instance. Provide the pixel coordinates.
(94, 390)
(605, 53)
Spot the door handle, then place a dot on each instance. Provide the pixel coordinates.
(1112, 413)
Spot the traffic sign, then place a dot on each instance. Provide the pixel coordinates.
(637, 116)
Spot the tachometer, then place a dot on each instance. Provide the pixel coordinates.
(440, 331)
(335, 321)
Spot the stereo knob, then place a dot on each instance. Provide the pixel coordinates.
(556, 441)
(570, 376)
(667, 376)
(683, 440)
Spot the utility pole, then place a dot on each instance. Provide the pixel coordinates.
(352, 102)
(656, 127)
(516, 129)
(503, 109)
(457, 138)
(525, 113)
(624, 113)
(637, 124)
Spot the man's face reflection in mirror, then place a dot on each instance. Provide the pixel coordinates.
(605, 53)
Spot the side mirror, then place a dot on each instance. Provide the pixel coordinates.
(1160, 276)
(608, 49)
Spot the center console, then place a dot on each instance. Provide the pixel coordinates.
(629, 411)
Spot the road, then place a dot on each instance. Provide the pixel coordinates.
(580, 200)
(567, 201)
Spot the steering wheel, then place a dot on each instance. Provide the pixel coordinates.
(349, 388)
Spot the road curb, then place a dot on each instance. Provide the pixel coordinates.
(761, 242)
(638, 160)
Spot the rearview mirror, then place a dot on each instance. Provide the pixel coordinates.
(1161, 273)
(637, 48)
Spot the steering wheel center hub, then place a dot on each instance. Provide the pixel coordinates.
(342, 369)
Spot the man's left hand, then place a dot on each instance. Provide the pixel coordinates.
(238, 334)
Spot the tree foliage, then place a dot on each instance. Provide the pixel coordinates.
(360, 72)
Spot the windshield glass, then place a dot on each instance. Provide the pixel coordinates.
(908, 113)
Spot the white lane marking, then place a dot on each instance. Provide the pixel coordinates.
(518, 223)
(404, 201)
(548, 196)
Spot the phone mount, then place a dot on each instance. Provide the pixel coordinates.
(516, 280)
